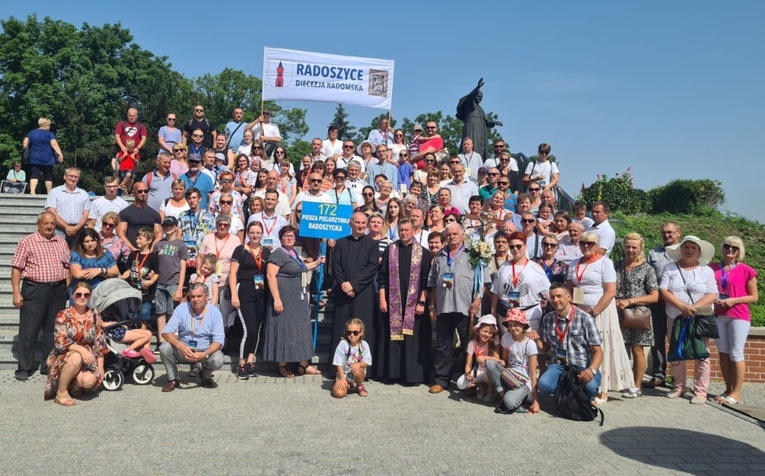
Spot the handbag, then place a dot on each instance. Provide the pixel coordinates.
(684, 344)
(706, 326)
(637, 319)
(703, 325)
(25, 155)
(513, 379)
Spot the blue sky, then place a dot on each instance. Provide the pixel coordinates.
(671, 89)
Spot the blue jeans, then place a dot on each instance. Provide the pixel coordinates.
(144, 312)
(548, 381)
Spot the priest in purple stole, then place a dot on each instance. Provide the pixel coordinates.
(403, 342)
(355, 259)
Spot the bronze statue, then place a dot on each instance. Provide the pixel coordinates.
(471, 113)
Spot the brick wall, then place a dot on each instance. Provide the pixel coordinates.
(754, 356)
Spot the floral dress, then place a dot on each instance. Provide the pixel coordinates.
(638, 282)
(72, 331)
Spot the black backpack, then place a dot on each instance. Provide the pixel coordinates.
(571, 399)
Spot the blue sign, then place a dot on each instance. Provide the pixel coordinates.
(325, 220)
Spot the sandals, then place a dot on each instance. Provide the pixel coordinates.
(362, 391)
(308, 369)
(285, 371)
(728, 400)
(65, 401)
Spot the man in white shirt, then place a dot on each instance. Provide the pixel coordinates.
(316, 152)
(382, 135)
(462, 188)
(272, 182)
(418, 219)
(272, 221)
(314, 192)
(568, 246)
(332, 146)
(265, 132)
(110, 202)
(470, 159)
(499, 147)
(348, 156)
(354, 182)
(542, 171)
(602, 228)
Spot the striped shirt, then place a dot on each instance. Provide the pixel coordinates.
(40, 259)
(580, 333)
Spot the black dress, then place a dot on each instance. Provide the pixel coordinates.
(410, 360)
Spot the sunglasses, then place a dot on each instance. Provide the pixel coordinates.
(542, 153)
(257, 147)
(82, 295)
(515, 247)
(429, 161)
(141, 191)
(224, 224)
(727, 247)
(352, 333)
(279, 152)
(340, 177)
(197, 135)
(586, 243)
(179, 150)
(171, 119)
(450, 220)
(502, 183)
(368, 194)
(199, 110)
(528, 221)
(226, 181)
(431, 127)
(226, 202)
(347, 147)
(549, 245)
(107, 225)
(493, 174)
(534, 189)
(266, 113)
(315, 180)
(403, 155)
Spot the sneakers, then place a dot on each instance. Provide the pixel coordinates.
(241, 373)
(249, 367)
(480, 394)
(489, 396)
(194, 372)
(632, 393)
(131, 354)
(503, 409)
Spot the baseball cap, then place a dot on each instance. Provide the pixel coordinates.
(170, 221)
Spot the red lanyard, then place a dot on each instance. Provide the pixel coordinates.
(258, 258)
(562, 334)
(517, 277)
(579, 275)
(218, 250)
(263, 220)
(140, 265)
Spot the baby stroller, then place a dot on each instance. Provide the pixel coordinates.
(117, 301)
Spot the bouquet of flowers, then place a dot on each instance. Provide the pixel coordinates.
(479, 252)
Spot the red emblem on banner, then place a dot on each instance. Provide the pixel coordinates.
(279, 76)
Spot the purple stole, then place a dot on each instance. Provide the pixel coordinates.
(401, 325)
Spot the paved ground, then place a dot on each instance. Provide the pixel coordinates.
(271, 425)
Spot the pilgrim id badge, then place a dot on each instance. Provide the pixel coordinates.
(193, 345)
(578, 296)
(218, 268)
(269, 243)
(448, 280)
(257, 280)
(723, 296)
(515, 298)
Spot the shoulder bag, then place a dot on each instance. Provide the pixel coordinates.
(632, 317)
(703, 325)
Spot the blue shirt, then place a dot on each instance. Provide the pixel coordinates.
(69, 205)
(203, 183)
(235, 139)
(405, 171)
(40, 150)
(387, 169)
(204, 329)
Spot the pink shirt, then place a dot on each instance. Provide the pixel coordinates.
(735, 286)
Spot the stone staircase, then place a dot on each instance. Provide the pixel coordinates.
(18, 218)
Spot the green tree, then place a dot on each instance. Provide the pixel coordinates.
(344, 128)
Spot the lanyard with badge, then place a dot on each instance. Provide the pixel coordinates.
(139, 267)
(514, 296)
(579, 292)
(560, 350)
(257, 280)
(192, 342)
(268, 242)
(303, 269)
(218, 264)
(724, 280)
(448, 279)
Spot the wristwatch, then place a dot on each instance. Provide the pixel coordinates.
(206, 355)
(593, 371)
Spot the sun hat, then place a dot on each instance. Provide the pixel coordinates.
(516, 315)
(486, 319)
(707, 249)
(358, 149)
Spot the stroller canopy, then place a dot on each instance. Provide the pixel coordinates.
(118, 293)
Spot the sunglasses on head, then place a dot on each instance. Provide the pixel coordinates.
(352, 333)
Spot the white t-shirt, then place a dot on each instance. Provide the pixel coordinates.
(477, 349)
(269, 130)
(494, 162)
(329, 149)
(593, 276)
(519, 353)
(282, 206)
(531, 285)
(271, 227)
(171, 210)
(698, 281)
(546, 169)
(304, 196)
(346, 355)
(606, 234)
(101, 206)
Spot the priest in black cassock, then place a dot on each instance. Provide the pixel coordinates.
(355, 259)
(403, 343)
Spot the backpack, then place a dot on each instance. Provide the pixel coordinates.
(150, 176)
(571, 400)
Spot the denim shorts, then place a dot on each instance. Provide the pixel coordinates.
(163, 298)
(144, 312)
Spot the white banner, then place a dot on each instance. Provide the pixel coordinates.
(306, 76)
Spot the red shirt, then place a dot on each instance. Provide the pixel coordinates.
(436, 142)
(41, 260)
(129, 161)
(127, 131)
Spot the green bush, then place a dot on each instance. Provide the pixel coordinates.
(619, 193)
(687, 196)
(758, 315)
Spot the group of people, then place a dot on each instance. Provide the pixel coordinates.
(212, 241)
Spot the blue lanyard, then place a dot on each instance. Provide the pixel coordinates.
(724, 277)
(449, 259)
(296, 259)
(548, 269)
